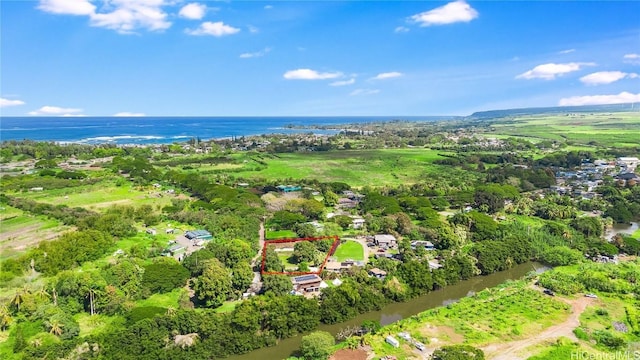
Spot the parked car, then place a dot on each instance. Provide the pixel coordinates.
(549, 292)
(420, 346)
(593, 296)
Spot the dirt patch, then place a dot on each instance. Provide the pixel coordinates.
(441, 334)
(517, 349)
(348, 354)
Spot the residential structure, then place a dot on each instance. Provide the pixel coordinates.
(378, 273)
(306, 284)
(385, 241)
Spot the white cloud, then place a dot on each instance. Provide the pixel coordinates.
(551, 70)
(623, 97)
(357, 92)
(268, 7)
(453, 12)
(308, 74)
(129, 114)
(344, 82)
(130, 15)
(387, 75)
(632, 59)
(123, 16)
(216, 29)
(401, 29)
(55, 110)
(255, 54)
(568, 51)
(67, 7)
(253, 29)
(7, 102)
(606, 77)
(193, 11)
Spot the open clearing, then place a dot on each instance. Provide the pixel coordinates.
(19, 230)
(99, 196)
(609, 129)
(355, 167)
(349, 250)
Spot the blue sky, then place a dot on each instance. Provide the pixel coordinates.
(295, 58)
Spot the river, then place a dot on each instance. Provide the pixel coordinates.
(397, 311)
(624, 229)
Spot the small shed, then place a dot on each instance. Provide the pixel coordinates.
(392, 341)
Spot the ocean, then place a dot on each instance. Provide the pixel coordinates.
(166, 130)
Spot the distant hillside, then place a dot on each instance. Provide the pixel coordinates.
(491, 114)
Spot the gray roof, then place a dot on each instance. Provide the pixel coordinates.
(385, 238)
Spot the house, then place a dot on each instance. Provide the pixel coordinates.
(288, 188)
(174, 250)
(385, 241)
(358, 223)
(434, 265)
(195, 235)
(306, 283)
(151, 231)
(427, 245)
(377, 273)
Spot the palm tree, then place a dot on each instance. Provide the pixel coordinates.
(20, 296)
(42, 293)
(5, 317)
(55, 327)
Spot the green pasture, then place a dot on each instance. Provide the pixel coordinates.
(100, 196)
(355, 167)
(349, 250)
(607, 129)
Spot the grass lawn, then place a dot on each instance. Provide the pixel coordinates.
(227, 306)
(165, 300)
(636, 234)
(93, 325)
(350, 250)
(281, 234)
(286, 258)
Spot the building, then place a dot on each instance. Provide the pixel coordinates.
(288, 188)
(358, 223)
(385, 241)
(306, 284)
(427, 245)
(629, 163)
(194, 235)
(174, 250)
(378, 273)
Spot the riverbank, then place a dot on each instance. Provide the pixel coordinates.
(517, 320)
(397, 311)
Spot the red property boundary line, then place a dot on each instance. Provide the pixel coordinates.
(336, 242)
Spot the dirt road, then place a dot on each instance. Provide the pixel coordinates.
(513, 350)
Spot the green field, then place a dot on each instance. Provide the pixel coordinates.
(20, 230)
(355, 167)
(349, 250)
(281, 234)
(100, 196)
(508, 312)
(608, 129)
